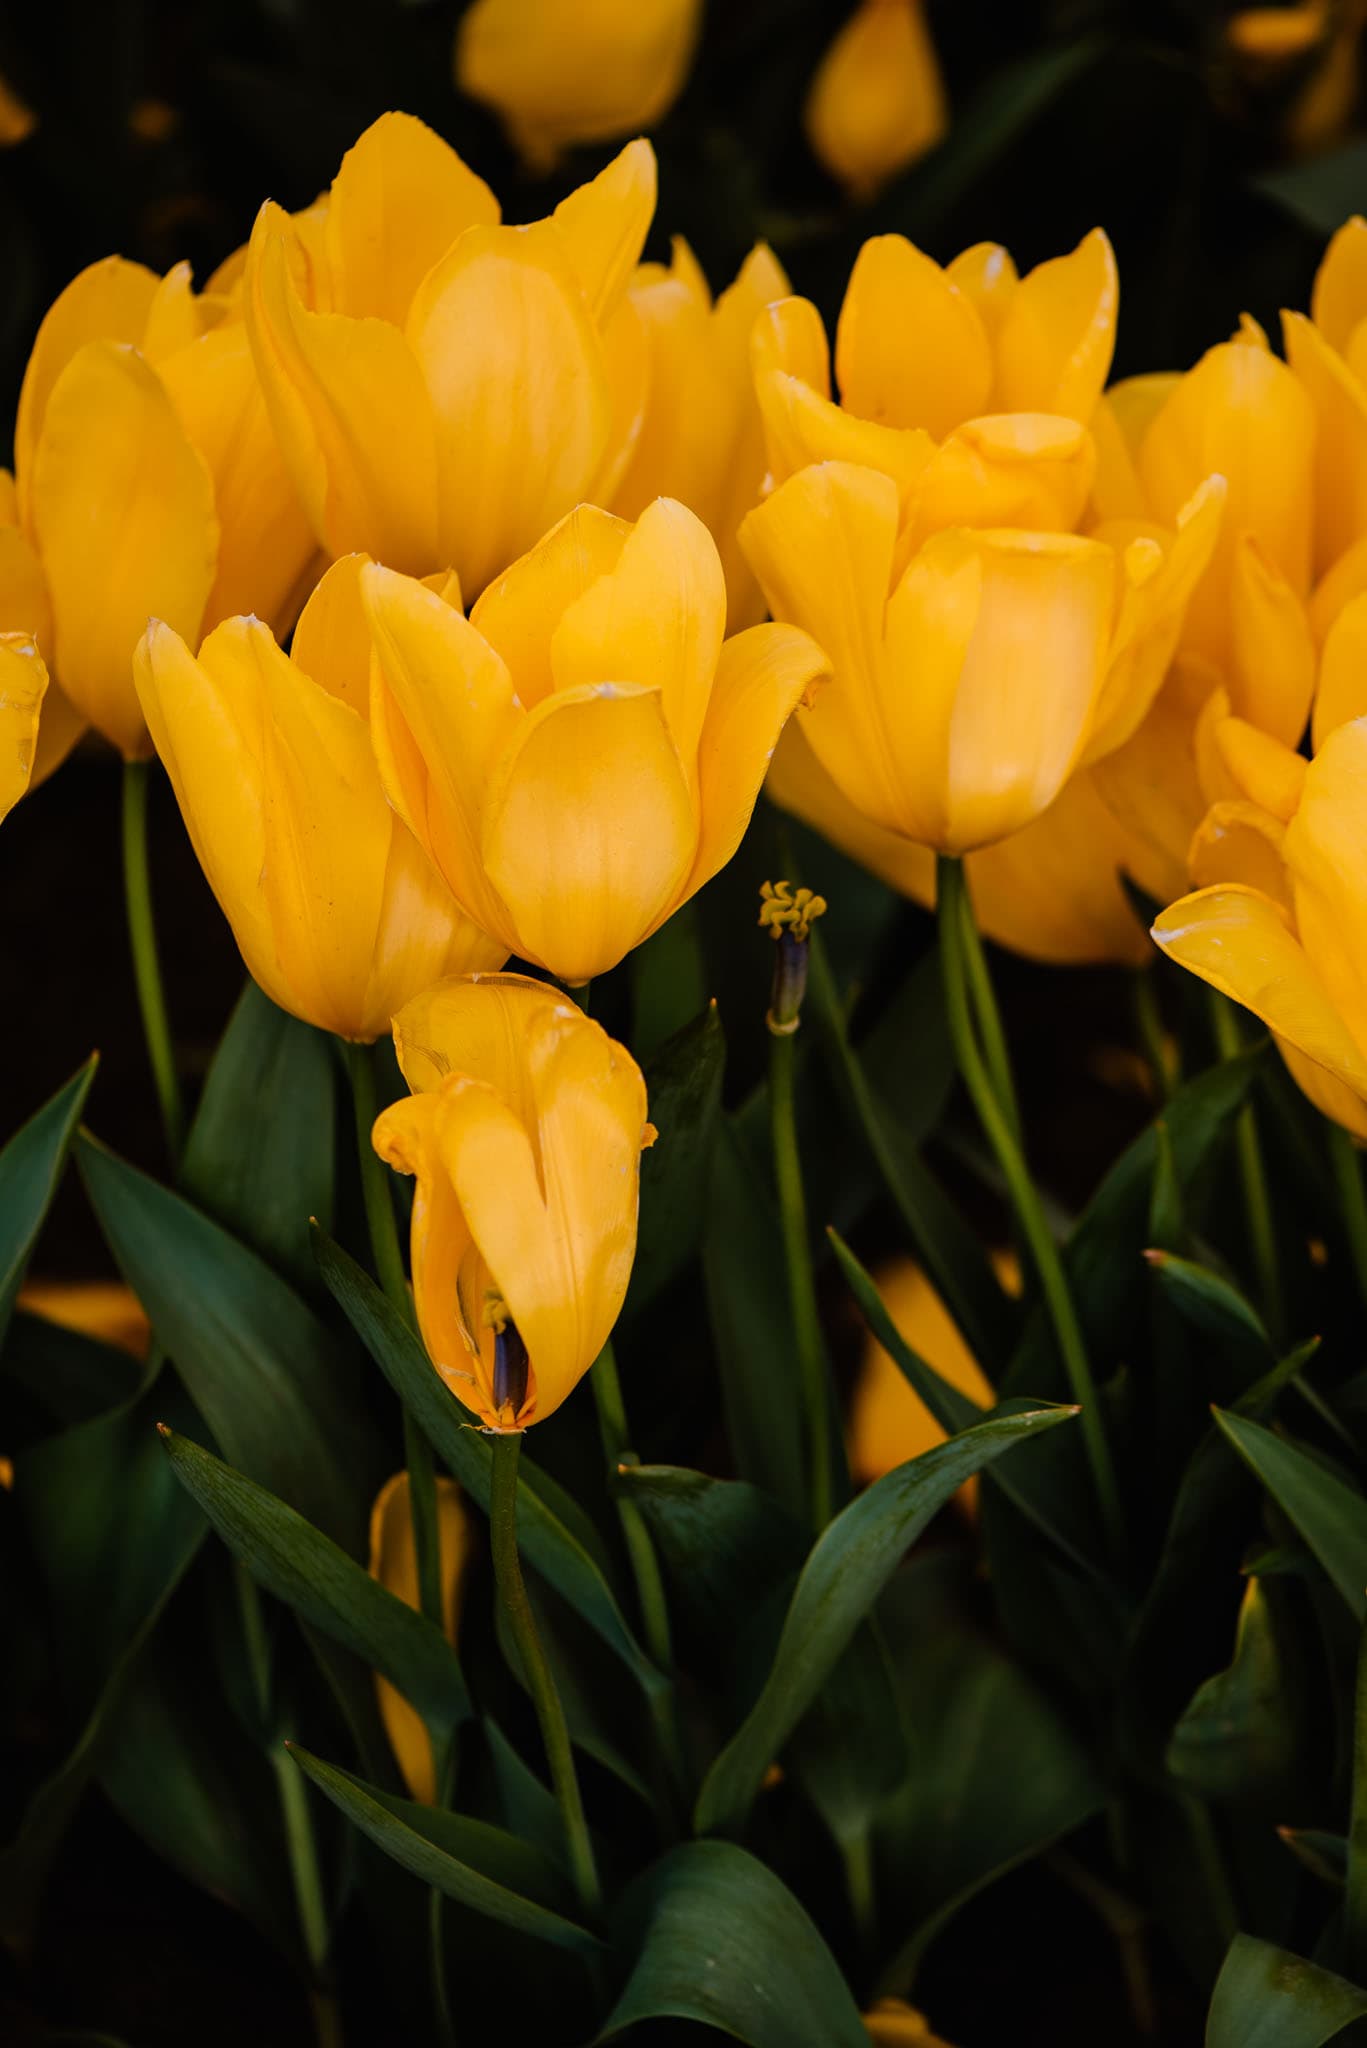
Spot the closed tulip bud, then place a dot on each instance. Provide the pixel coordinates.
(584, 752)
(444, 388)
(701, 439)
(337, 910)
(560, 72)
(394, 1563)
(524, 1134)
(147, 481)
(877, 102)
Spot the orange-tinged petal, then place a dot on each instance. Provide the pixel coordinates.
(123, 516)
(1054, 350)
(398, 202)
(1338, 301)
(892, 2023)
(1240, 842)
(23, 685)
(1268, 774)
(1009, 469)
(877, 102)
(1271, 669)
(603, 226)
(589, 828)
(520, 611)
(910, 349)
(889, 1422)
(519, 390)
(1340, 405)
(104, 1309)
(1342, 690)
(986, 274)
(394, 1563)
(331, 643)
(405, 1136)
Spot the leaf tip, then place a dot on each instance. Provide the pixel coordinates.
(164, 1432)
(1153, 1256)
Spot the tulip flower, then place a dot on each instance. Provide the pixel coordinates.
(560, 72)
(889, 1422)
(147, 481)
(1328, 354)
(967, 687)
(584, 752)
(877, 102)
(104, 1309)
(524, 1135)
(23, 686)
(892, 2023)
(337, 910)
(394, 1563)
(970, 386)
(701, 440)
(445, 388)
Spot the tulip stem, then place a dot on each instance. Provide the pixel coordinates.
(954, 908)
(1343, 1156)
(142, 935)
(986, 1014)
(645, 1566)
(1152, 1038)
(797, 1255)
(1257, 1202)
(506, 1448)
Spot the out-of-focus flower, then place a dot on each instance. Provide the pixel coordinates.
(147, 482)
(891, 2023)
(17, 118)
(394, 1562)
(1328, 354)
(337, 910)
(584, 753)
(565, 71)
(524, 1134)
(1310, 48)
(969, 386)
(889, 1422)
(96, 1308)
(444, 388)
(969, 686)
(877, 102)
(701, 440)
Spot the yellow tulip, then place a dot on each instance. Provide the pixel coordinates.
(444, 388)
(892, 2023)
(1158, 785)
(104, 1309)
(394, 1562)
(962, 701)
(1328, 354)
(147, 482)
(701, 440)
(889, 1422)
(558, 72)
(877, 102)
(524, 1134)
(336, 909)
(584, 752)
(23, 686)
(969, 386)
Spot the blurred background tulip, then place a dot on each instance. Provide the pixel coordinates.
(892, 2023)
(889, 1422)
(394, 1562)
(877, 102)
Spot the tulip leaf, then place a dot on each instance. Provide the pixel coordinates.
(846, 1570)
(260, 1158)
(262, 1370)
(305, 1569)
(1330, 1517)
(438, 1847)
(64, 1376)
(1219, 1314)
(1268, 1998)
(30, 1168)
(1239, 1738)
(683, 1087)
(720, 1940)
(1324, 191)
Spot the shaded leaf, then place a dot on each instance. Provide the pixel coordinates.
(30, 1168)
(683, 1087)
(1268, 1998)
(1329, 1515)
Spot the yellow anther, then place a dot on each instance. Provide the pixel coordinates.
(495, 1312)
(785, 909)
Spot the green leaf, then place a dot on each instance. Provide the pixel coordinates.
(1239, 1739)
(437, 1846)
(1268, 1998)
(263, 1371)
(305, 1569)
(261, 1154)
(1330, 1517)
(719, 1940)
(683, 1086)
(1228, 1326)
(65, 1376)
(848, 1567)
(1324, 1856)
(1323, 192)
(30, 1168)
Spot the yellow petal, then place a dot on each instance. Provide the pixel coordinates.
(877, 102)
(1339, 299)
(23, 684)
(1268, 774)
(889, 1422)
(1116, 490)
(394, 1563)
(516, 373)
(603, 225)
(1241, 842)
(1337, 588)
(331, 643)
(1010, 469)
(893, 2024)
(798, 783)
(24, 606)
(673, 452)
(475, 1025)
(398, 202)
(350, 411)
(1054, 350)
(1331, 1096)
(123, 516)
(627, 367)
(442, 1254)
(987, 276)
(519, 612)
(910, 350)
(1271, 671)
(105, 1309)
(1326, 855)
(1152, 784)
(1340, 405)
(589, 828)
(1342, 690)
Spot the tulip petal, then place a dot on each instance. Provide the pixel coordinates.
(1340, 405)
(397, 203)
(1271, 669)
(1326, 851)
(589, 828)
(1010, 469)
(628, 368)
(987, 276)
(24, 606)
(1338, 587)
(1338, 300)
(349, 408)
(394, 1563)
(423, 936)
(516, 372)
(1152, 783)
(473, 1025)
(405, 1136)
(910, 350)
(1331, 1096)
(23, 685)
(331, 643)
(1055, 347)
(877, 102)
(519, 612)
(123, 515)
(1342, 691)
(1265, 772)
(603, 225)
(1240, 842)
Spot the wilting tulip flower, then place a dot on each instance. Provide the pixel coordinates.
(524, 1134)
(701, 440)
(394, 1562)
(892, 2023)
(565, 71)
(444, 388)
(969, 386)
(147, 481)
(877, 102)
(969, 686)
(583, 753)
(336, 908)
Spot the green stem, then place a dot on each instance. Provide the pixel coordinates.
(507, 1448)
(856, 1852)
(1343, 1156)
(985, 1012)
(1025, 1201)
(1152, 1037)
(645, 1566)
(811, 1358)
(142, 935)
(1257, 1202)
